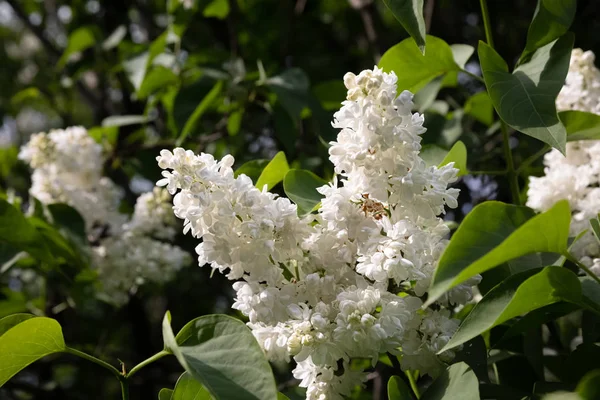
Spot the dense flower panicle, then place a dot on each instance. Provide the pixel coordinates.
(67, 168)
(318, 288)
(581, 90)
(576, 177)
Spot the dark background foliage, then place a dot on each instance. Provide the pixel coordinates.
(311, 44)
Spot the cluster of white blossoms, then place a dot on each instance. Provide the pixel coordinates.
(67, 168)
(576, 177)
(348, 281)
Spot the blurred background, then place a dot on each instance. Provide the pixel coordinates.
(241, 77)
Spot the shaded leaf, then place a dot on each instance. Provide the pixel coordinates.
(479, 106)
(580, 125)
(300, 186)
(204, 105)
(458, 382)
(493, 233)
(397, 389)
(10, 321)
(517, 295)
(165, 394)
(410, 15)
(589, 386)
(188, 388)
(525, 99)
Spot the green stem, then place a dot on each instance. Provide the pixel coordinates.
(583, 267)
(486, 23)
(150, 360)
(510, 166)
(531, 159)
(95, 360)
(488, 172)
(124, 389)
(513, 178)
(413, 383)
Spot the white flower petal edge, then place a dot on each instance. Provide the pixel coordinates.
(576, 177)
(325, 289)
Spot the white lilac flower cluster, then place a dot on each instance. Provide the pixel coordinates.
(346, 282)
(575, 177)
(67, 168)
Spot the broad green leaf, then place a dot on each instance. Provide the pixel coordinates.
(589, 386)
(281, 396)
(57, 244)
(68, 218)
(479, 106)
(462, 53)
(165, 394)
(580, 125)
(590, 293)
(330, 94)
(457, 155)
(217, 8)
(525, 99)
(551, 20)
(81, 39)
(252, 169)
(410, 15)
(17, 231)
(433, 154)
(124, 120)
(204, 105)
(415, 70)
(474, 353)
(515, 296)
(156, 79)
(300, 186)
(210, 348)
(458, 382)
(274, 172)
(10, 321)
(188, 388)
(26, 343)
(115, 38)
(397, 389)
(494, 233)
(292, 90)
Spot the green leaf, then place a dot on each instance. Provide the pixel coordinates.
(274, 172)
(589, 386)
(425, 97)
(217, 8)
(300, 186)
(81, 39)
(115, 38)
(281, 396)
(221, 352)
(458, 382)
(252, 169)
(525, 99)
(27, 342)
(410, 15)
(397, 389)
(69, 219)
(518, 295)
(580, 125)
(457, 155)
(17, 231)
(479, 106)
(124, 120)
(10, 321)
(158, 78)
(493, 233)
(292, 90)
(234, 122)
(595, 223)
(415, 70)
(433, 154)
(165, 394)
(188, 388)
(204, 105)
(551, 20)
(330, 94)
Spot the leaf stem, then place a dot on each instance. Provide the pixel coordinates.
(95, 360)
(124, 389)
(413, 383)
(150, 360)
(510, 166)
(583, 267)
(531, 159)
